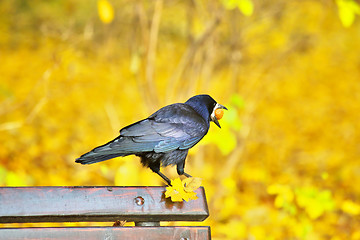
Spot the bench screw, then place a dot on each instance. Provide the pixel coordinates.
(139, 201)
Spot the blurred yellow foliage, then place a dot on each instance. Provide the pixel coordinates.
(106, 11)
(284, 165)
(348, 9)
(350, 207)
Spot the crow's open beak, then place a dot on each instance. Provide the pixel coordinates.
(214, 119)
(216, 122)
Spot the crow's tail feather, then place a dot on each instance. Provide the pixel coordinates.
(101, 153)
(89, 158)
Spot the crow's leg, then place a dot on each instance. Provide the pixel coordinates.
(180, 169)
(164, 177)
(187, 175)
(156, 169)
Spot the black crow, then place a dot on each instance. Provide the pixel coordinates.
(164, 138)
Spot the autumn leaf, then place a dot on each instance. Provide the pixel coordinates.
(191, 184)
(175, 191)
(182, 190)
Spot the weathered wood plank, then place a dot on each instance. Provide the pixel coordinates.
(77, 233)
(96, 204)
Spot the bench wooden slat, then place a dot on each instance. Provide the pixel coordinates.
(89, 233)
(96, 204)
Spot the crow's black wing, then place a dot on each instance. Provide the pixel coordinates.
(176, 126)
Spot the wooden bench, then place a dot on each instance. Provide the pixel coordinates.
(146, 206)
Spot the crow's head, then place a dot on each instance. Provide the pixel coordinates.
(207, 107)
